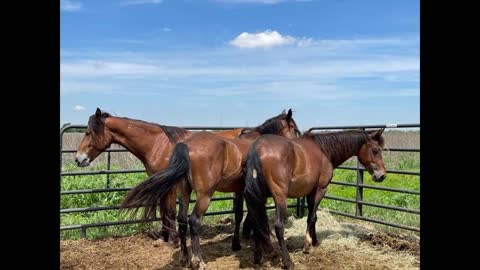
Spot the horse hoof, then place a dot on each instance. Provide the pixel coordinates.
(175, 243)
(200, 266)
(236, 246)
(268, 249)
(257, 260)
(307, 248)
(287, 265)
(185, 262)
(197, 263)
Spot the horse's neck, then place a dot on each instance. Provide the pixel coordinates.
(250, 136)
(341, 153)
(137, 137)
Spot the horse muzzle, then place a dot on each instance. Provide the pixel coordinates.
(82, 160)
(378, 176)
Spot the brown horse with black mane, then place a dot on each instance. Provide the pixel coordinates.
(151, 143)
(284, 168)
(205, 163)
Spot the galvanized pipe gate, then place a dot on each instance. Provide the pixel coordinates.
(300, 204)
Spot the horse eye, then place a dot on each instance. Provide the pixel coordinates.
(87, 133)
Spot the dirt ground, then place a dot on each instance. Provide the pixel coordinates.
(342, 246)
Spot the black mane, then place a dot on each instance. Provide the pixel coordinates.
(272, 125)
(95, 124)
(336, 145)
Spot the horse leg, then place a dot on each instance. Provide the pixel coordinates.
(281, 210)
(313, 200)
(171, 202)
(163, 232)
(195, 221)
(182, 222)
(257, 256)
(167, 231)
(247, 227)
(238, 219)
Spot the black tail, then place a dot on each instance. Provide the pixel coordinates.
(150, 192)
(256, 194)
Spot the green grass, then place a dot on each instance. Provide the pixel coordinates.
(111, 199)
(394, 160)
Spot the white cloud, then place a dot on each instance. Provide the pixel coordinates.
(407, 93)
(186, 68)
(264, 39)
(79, 108)
(100, 68)
(140, 2)
(73, 86)
(337, 43)
(71, 6)
(278, 90)
(270, 38)
(166, 29)
(323, 70)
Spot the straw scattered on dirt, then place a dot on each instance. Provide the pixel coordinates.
(342, 246)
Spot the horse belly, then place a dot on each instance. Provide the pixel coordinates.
(300, 187)
(231, 184)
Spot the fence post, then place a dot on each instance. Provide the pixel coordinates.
(298, 207)
(304, 205)
(83, 232)
(108, 168)
(234, 200)
(359, 195)
(61, 148)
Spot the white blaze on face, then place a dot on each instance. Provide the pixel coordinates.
(254, 173)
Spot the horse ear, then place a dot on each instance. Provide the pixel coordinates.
(283, 112)
(289, 115)
(98, 113)
(378, 133)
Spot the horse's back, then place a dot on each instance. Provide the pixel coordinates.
(216, 162)
(273, 142)
(289, 163)
(205, 150)
(204, 138)
(229, 134)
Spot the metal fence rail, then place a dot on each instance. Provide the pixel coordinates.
(300, 204)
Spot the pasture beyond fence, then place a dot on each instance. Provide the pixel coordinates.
(299, 205)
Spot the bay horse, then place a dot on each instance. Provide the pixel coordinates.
(150, 143)
(292, 168)
(206, 163)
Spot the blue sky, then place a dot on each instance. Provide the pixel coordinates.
(238, 62)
